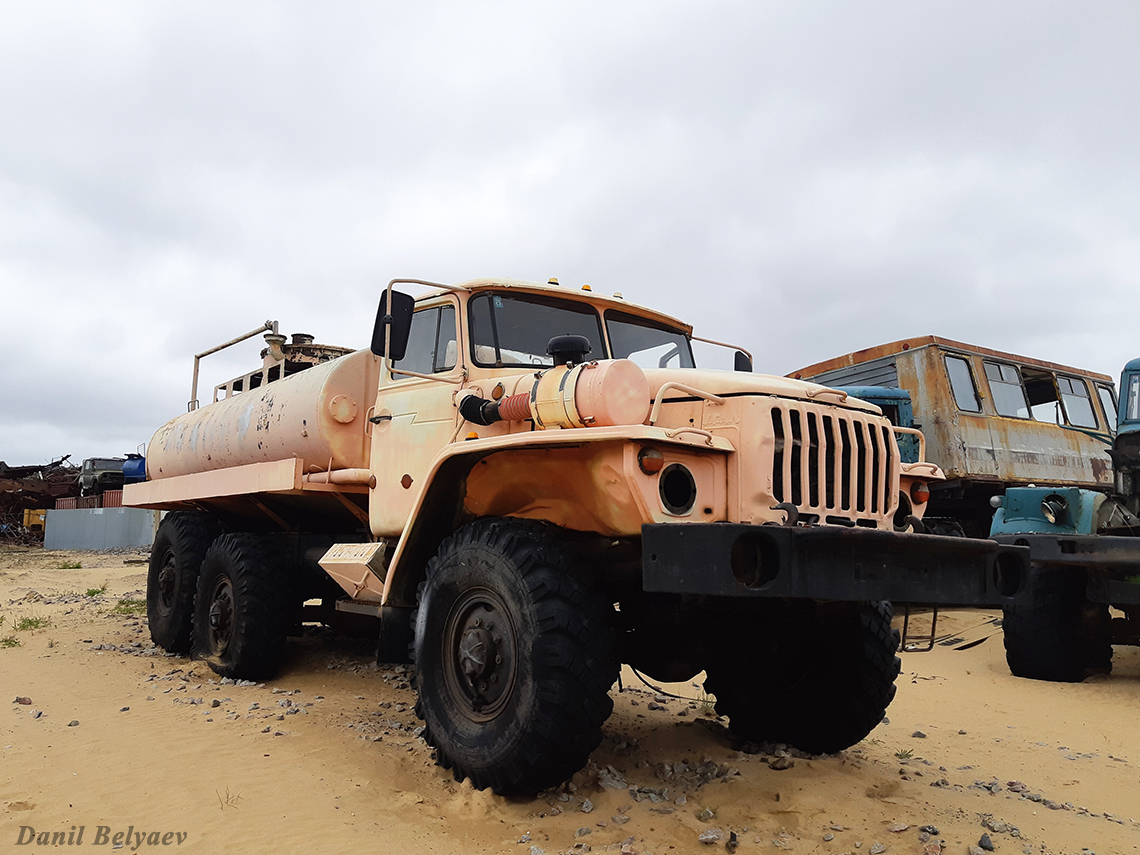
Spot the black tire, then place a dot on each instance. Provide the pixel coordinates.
(818, 677)
(944, 527)
(1096, 638)
(1053, 633)
(514, 658)
(172, 579)
(241, 608)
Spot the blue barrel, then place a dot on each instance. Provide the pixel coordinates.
(134, 469)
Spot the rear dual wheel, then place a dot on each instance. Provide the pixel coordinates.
(172, 578)
(241, 610)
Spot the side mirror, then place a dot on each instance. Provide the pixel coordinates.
(399, 319)
(741, 362)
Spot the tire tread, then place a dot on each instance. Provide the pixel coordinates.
(261, 600)
(190, 534)
(573, 660)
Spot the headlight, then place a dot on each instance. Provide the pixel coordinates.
(678, 489)
(1055, 509)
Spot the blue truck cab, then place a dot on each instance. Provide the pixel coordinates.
(1128, 419)
(1125, 451)
(896, 406)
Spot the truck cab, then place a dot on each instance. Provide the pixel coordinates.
(1125, 451)
(99, 474)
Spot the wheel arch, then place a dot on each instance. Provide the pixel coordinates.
(576, 458)
(438, 514)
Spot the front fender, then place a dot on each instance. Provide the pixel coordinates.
(587, 497)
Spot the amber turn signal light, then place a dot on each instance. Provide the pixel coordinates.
(920, 493)
(650, 460)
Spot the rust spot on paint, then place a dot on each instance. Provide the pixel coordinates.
(406, 481)
(1100, 468)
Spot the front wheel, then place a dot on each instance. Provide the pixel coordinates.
(816, 676)
(513, 656)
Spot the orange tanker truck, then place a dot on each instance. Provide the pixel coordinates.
(520, 486)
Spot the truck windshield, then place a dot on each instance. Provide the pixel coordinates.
(514, 329)
(649, 344)
(1132, 412)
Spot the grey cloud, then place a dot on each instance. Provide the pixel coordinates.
(804, 178)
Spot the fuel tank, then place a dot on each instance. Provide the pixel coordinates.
(318, 415)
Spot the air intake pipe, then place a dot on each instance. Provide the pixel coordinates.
(480, 411)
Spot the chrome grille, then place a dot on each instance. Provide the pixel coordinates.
(833, 463)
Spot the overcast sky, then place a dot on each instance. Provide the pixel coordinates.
(802, 178)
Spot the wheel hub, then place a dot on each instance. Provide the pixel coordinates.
(221, 616)
(479, 663)
(167, 578)
(476, 653)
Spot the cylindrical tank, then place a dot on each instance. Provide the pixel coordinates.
(318, 415)
(599, 394)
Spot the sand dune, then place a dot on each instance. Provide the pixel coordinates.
(327, 758)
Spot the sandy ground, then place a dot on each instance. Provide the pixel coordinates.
(326, 758)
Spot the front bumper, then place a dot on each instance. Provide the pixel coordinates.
(1111, 564)
(830, 563)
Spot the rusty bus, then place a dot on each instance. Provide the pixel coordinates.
(991, 419)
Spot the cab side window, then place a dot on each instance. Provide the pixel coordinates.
(1006, 391)
(1043, 390)
(962, 384)
(1078, 405)
(431, 342)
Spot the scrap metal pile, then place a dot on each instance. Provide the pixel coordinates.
(26, 488)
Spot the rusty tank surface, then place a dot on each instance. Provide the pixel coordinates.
(316, 415)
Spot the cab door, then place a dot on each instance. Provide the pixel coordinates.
(415, 416)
